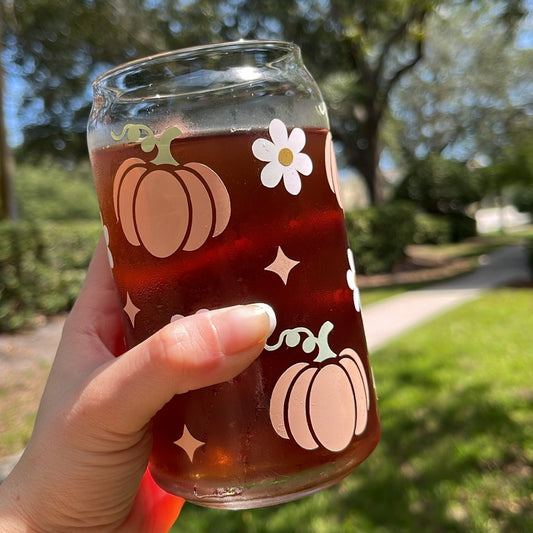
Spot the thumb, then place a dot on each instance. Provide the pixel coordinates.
(191, 353)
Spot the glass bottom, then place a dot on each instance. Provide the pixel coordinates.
(271, 492)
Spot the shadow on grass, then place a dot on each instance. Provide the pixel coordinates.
(455, 462)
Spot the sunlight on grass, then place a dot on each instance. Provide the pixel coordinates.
(20, 392)
(456, 454)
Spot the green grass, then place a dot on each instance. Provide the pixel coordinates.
(456, 455)
(20, 392)
(370, 296)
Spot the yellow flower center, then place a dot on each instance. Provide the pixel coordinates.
(285, 157)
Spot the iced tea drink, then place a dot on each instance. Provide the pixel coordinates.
(223, 191)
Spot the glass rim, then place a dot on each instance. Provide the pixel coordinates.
(187, 52)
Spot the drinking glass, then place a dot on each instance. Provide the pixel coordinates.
(217, 183)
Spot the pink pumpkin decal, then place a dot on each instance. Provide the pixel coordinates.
(323, 403)
(165, 206)
(331, 168)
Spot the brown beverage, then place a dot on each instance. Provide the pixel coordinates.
(227, 231)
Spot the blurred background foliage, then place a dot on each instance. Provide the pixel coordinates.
(402, 78)
(430, 104)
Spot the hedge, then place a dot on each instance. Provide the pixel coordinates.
(49, 191)
(463, 227)
(379, 235)
(43, 264)
(42, 267)
(443, 229)
(432, 229)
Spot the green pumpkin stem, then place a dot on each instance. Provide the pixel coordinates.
(292, 338)
(149, 142)
(324, 351)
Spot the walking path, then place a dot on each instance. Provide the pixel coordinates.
(389, 318)
(383, 320)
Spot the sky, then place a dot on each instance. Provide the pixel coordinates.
(525, 37)
(13, 93)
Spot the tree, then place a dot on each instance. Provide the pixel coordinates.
(60, 46)
(382, 43)
(357, 51)
(440, 186)
(513, 172)
(472, 92)
(7, 167)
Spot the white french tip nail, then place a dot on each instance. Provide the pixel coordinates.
(271, 316)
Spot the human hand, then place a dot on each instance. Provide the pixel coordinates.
(84, 468)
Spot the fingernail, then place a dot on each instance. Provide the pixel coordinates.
(244, 326)
(271, 316)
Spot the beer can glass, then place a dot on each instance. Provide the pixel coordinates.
(217, 183)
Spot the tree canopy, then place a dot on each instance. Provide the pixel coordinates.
(471, 94)
(357, 51)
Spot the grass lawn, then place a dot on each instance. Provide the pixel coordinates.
(370, 296)
(456, 455)
(20, 393)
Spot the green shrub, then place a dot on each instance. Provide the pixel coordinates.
(48, 191)
(432, 229)
(44, 257)
(379, 235)
(440, 186)
(523, 199)
(68, 251)
(21, 258)
(443, 229)
(42, 267)
(463, 227)
(70, 246)
(443, 188)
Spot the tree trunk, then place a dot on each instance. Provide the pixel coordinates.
(365, 152)
(369, 165)
(7, 165)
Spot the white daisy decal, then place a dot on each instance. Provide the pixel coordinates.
(284, 157)
(351, 278)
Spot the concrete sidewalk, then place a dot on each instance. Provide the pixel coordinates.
(394, 316)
